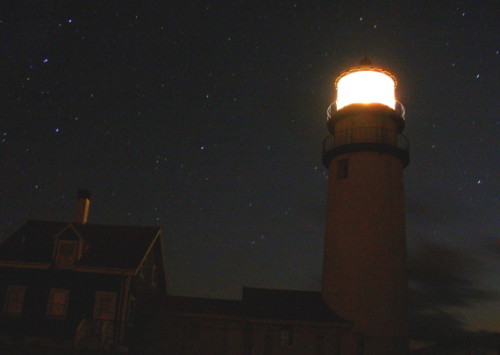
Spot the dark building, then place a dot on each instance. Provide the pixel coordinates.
(263, 322)
(75, 285)
(87, 288)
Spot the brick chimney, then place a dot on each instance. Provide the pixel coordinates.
(82, 206)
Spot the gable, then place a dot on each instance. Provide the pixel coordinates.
(152, 267)
(68, 233)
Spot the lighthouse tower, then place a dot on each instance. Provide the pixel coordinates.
(364, 268)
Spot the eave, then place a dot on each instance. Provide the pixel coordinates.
(24, 264)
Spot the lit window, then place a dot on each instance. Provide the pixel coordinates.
(66, 254)
(105, 305)
(58, 302)
(342, 168)
(14, 299)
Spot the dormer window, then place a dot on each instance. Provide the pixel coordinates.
(66, 254)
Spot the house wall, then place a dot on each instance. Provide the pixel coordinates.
(159, 334)
(267, 338)
(197, 334)
(33, 321)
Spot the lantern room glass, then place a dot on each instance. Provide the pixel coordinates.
(366, 86)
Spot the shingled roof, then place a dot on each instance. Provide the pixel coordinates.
(258, 304)
(290, 305)
(113, 247)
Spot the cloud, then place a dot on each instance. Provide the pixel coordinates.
(441, 276)
(440, 281)
(435, 325)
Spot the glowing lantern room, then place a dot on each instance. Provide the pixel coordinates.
(366, 84)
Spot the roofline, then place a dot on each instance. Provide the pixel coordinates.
(24, 264)
(244, 318)
(346, 324)
(157, 236)
(78, 268)
(163, 261)
(283, 290)
(177, 313)
(147, 252)
(64, 229)
(104, 270)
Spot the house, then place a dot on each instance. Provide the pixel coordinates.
(86, 288)
(265, 321)
(75, 285)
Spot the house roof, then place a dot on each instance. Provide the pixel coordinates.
(113, 247)
(198, 306)
(267, 305)
(287, 305)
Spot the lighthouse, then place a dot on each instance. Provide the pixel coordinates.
(364, 266)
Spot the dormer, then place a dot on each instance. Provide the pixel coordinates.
(69, 247)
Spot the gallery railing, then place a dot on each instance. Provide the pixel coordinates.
(366, 135)
(366, 139)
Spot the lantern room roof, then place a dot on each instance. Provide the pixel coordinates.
(365, 61)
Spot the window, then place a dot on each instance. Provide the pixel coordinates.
(342, 168)
(105, 305)
(14, 299)
(286, 337)
(66, 254)
(154, 275)
(58, 302)
(130, 309)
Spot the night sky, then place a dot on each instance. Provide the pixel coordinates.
(207, 118)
